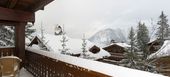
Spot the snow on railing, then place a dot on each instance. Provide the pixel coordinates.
(107, 69)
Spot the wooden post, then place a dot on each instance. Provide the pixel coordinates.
(20, 40)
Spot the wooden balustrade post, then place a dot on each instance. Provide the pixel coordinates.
(20, 40)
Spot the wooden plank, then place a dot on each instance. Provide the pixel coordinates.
(16, 15)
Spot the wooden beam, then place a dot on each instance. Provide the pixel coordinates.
(12, 3)
(20, 40)
(41, 4)
(16, 15)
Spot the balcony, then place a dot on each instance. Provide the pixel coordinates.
(39, 63)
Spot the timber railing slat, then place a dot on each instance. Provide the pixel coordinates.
(7, 51)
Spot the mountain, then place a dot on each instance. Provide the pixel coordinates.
(104, 37)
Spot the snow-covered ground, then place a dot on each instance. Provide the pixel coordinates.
(53, 43)
(163, 51)
(108, 69)
(24, 73)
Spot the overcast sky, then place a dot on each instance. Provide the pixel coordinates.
(89, 16)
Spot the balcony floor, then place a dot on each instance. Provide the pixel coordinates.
(25, 73)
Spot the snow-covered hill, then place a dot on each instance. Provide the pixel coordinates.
(104, 37)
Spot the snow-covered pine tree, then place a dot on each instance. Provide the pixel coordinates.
(63, 43)
(142, 39)
(131, 57)
(84, 44)
(132, 39)
(7, 35)
(29, 31)
(42, 43)
(163, 30)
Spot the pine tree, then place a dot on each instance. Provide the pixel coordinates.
(29, 31)
(142, 39)
(42, 43)
(131, 57)
(84, 55)
(132, 39)
(163, 30)
(64, 45)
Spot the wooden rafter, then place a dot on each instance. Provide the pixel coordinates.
(41, 5)
(12, 3)
(16, 15)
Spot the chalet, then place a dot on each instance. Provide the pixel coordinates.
(117, 51)
(53, 43)
(161, 59)
(154, 46)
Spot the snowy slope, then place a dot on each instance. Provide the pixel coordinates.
(163, 51)
(105, 36)
(107, 69)
(53, 43)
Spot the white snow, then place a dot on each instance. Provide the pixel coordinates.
(27, 41)
(108, 69)
(124, 45)
(24, 73)
(163, 51)
(53, 43)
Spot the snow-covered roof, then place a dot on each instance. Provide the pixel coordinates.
(124, 45)
(152, 40)
(107, 69)
(53, 43)
(163, 51)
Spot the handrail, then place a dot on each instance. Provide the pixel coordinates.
(49, 64)
(7, 51)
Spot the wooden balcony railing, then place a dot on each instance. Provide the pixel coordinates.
(49, 64)
(7, 51)
(44, 66)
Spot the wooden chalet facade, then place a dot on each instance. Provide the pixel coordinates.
(154, 46)
(116, 51)
(117, 54)
(162, 65)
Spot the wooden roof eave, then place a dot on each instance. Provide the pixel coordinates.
(15, 12)
(7, 14)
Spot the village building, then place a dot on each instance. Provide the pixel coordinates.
(161, 59)
(53, 43)
(117, 51)
(154, 46)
